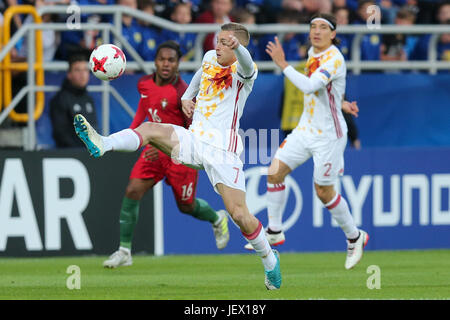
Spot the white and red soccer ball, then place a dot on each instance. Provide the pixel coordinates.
(107, 62)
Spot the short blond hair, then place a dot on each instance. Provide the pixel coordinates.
(240, 32)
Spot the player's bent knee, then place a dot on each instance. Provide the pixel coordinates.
(134, 193)
(237, 217)
(137, 188)
(325, 193)
(237, 213)
(275, 178)
(277, 172)
(150, 131)
(186, 208)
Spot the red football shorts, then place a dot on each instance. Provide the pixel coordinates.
(182, 179)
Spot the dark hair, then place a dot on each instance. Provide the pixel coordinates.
(76, 58)
(289, 16)
(242, 14)
(362, 3)
(405, 13)
(439, 8)
(170, 44)
(331, 19)
(143, 4)
(180, 4)
(443, 4)
(336, 9)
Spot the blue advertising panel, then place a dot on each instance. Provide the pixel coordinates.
(401, 197)
(395, 109)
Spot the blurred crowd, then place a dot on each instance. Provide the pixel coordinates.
(145, 37)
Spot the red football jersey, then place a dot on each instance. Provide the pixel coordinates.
(160, 103)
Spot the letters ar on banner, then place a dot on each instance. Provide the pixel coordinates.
(63, 202)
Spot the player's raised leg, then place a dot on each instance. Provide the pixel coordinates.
(129, 213)
(338, 207)
(253, 231)
(160, 135)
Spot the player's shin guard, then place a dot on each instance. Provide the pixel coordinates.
(203, 211)
(262, 247)
(128, 219)
(341, 213)
(126, 140)
(276, 198)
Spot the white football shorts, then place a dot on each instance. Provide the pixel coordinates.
(220, 165)
(328, 155)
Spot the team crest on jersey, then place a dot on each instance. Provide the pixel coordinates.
(311, 65)
(164, 103)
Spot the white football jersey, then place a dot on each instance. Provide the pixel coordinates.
(220, 103)
(322, 115)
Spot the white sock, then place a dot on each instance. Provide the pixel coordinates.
(126, 140)
(341, 213)
(128, 251)
(262, 247)
(276, 197)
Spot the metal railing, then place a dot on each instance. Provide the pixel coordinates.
(355, 64)
(32, 88)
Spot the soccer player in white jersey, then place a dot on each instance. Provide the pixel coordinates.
(321, 134)
(221, 87)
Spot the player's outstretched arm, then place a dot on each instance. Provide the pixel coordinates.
(194, 86)
(305, 84)
(276, 52)
(187, 105)
(246, 66)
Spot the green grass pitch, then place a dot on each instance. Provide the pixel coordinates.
(403, 275)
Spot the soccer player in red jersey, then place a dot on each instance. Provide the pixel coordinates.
(161, 102)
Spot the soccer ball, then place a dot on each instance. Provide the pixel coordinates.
(107, 62)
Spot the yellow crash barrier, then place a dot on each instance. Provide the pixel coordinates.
(1, 74)
(7, 66)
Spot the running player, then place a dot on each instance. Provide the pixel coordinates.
(321, 134)
(221, 87)
(161, 103)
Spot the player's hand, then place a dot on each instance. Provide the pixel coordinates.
(151, 154)
(350, 107)
(188, 107)
(276, 52)
(232, 42)
(357, 144)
